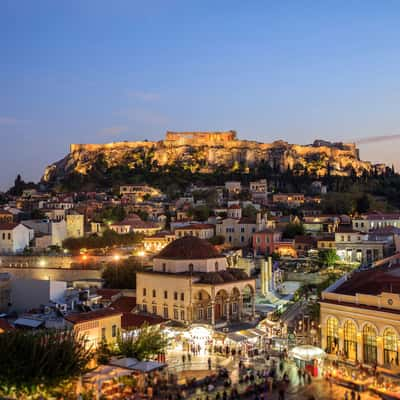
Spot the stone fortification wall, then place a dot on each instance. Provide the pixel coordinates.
(210, 149)
(58, 274)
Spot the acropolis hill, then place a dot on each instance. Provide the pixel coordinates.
(205, 151)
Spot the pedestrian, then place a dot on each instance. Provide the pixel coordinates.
(281, 391)
(346, 395)
(218, 396)
(358, 396)
(209, 363)
(224, 395)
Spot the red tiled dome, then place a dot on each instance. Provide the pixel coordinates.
(189, 248)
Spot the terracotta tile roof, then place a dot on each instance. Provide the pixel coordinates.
(247, 221)
(132, 321)
(108, 294)
(5, 212)
(234, 206)
(346, 229)
(189, 248)
(124, 304)
(363, 306)
(381, 216)
(386, 230)
(304, 239)
(8, 226)
(372, 281)
(195, 227)
(92, 315)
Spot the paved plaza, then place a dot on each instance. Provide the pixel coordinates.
(318, 389)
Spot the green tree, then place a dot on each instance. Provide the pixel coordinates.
(292, 229)
(121, 275)
(149, 342)
(363, 204)
(33, 363)
(328, 257)
(249, 211)
(37, 213)
(200, 213)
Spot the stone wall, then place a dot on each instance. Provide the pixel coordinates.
(58, 274)
(211, 149)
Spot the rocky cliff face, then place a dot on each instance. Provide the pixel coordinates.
(205, 151)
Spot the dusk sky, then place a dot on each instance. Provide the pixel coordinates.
(99, 71)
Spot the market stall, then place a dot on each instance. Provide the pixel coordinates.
(308, 357)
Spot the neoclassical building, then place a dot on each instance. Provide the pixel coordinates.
(360, 316)
(191, 283)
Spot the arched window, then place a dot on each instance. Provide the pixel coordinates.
(390, 354)
(369, 344)
(350, 340)
(332, 335)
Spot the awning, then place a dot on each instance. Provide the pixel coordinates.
(258, 332)
(135, 365)
(29, 322)
(236, 337)
(307, 353)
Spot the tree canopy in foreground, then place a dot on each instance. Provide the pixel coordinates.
(34, 363)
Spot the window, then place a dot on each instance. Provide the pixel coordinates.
(342, 238)
(103, 333)
(175, 295)
(242, 239)
(332, 335)
(191, 267)
(176, 314)
(166, 312)
(350, 340)
(182, 315)
(182, 296)
(242, 229)
(200, 296)
(154, 292)
(216, 266)
(258, 240)
(200, 313)
(356, 224)
(164, 267)
(114, 331)
(390, 354)
(144, 292)
(165, 294)
(369, 344)
(9, 236)
(154, 309)
(144, 307)
(4, 236)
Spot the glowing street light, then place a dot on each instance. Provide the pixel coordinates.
(117, 257)
(141, 253)
(42, 263)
